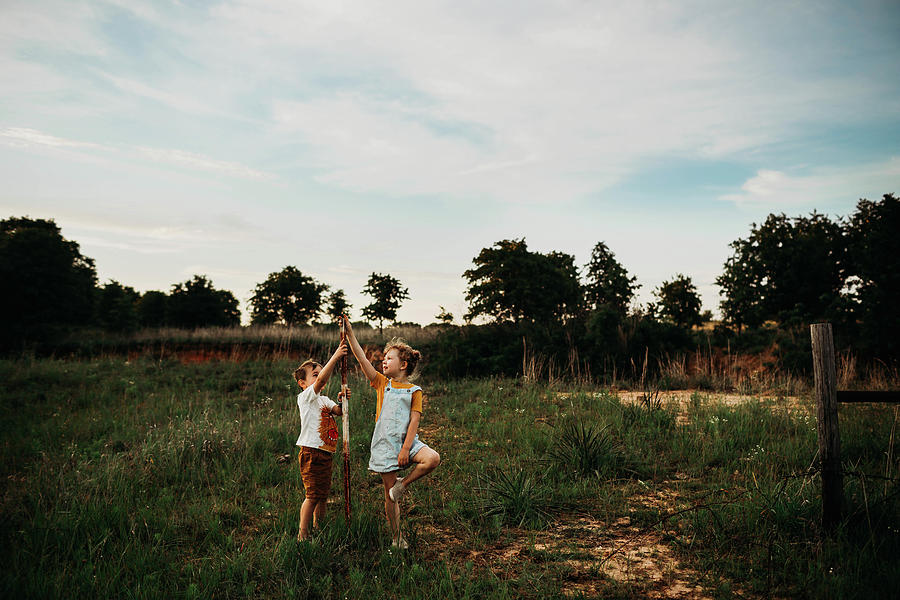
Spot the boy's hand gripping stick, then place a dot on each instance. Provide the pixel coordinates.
(345, 420)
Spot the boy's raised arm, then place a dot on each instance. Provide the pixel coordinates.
(358, 352)
(326, 371)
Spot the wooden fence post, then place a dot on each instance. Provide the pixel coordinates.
(827, 424)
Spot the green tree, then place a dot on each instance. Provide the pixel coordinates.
(874, 252)
(788, 270)
(117, 307)
(509, 282)
(387, 294)
(288, 297)
(678, 301)
(152, 309)
(608, 283)
(444, 316)
(196, 303)
(337, 305)
(48, 284)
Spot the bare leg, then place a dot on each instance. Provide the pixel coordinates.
(319, 512)
(391, 508)
(306, 515)
(427, 460)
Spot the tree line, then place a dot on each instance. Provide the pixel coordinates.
(787, 273)
(51, 288)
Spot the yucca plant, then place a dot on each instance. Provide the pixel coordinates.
(514, 497)
(584, 449)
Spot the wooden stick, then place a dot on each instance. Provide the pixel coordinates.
(345, 414)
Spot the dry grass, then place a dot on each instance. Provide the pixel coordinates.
(280, 334)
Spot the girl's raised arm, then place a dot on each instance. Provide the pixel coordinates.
(358, 352)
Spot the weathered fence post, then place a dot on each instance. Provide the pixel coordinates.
(827, 423)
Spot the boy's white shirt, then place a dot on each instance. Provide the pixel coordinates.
(311, 404)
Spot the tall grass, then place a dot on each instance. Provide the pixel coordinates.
(152, 478)
(709, 368)
(279, 336)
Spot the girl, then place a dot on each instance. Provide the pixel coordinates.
(395, 443)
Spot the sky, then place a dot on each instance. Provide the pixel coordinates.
(234, 138)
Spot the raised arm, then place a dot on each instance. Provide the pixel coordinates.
(367, 368)
(328, 369)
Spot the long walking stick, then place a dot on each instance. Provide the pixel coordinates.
(345, 413)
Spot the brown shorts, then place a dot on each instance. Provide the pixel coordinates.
(315, 468)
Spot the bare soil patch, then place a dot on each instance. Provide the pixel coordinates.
(586, 554)
(682, 400)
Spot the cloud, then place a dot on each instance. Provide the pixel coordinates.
(188, 98)
(181, 102)
(63, 26)
(152, 230)
(131, 245)
(204, 163)
(567, 101)
(24, 137)
(820, 187)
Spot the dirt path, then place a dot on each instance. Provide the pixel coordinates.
(586, 555)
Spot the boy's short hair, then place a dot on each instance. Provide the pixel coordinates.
(405, 352)
(303, 370)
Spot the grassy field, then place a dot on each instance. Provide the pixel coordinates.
(150, 478)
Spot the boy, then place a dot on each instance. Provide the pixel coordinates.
(318, 437)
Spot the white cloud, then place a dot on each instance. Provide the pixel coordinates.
(204, 163)
(186, 95)
(30, 81)
(181, 102)
(130, 245)
(566, 99)
(151, 232)
(540, 102)
(820, 187)
(61, 25)
(22, 136)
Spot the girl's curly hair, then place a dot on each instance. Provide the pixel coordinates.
(405, 352)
